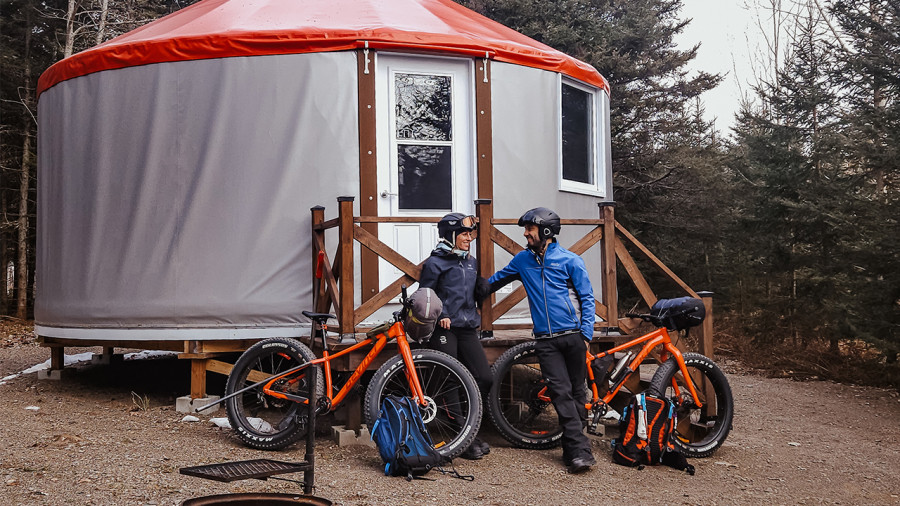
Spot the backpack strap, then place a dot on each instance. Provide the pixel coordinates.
(454, 473)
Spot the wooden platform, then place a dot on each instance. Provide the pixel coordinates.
(206, 356)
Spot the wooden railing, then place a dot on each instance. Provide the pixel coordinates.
(335, 287)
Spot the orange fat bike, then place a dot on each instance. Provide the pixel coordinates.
(270, 383)
(520, 407)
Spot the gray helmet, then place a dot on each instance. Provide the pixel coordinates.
(424, 309)
(546, 220)
(454, 223)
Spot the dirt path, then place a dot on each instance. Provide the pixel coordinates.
(88, 443)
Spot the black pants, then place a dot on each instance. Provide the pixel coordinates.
(562, 362)
(464, 345)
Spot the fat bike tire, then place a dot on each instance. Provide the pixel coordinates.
(453, 411)
(700, 431)
(262, 421)
(517, 412)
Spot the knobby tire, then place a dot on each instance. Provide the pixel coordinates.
(699, 431)
(453, 414)
(262, 421)
(519, 415)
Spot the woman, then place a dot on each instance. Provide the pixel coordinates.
(452, 273)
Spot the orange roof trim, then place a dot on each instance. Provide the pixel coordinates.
(226, 28)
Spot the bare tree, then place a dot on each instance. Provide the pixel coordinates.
(24, 182)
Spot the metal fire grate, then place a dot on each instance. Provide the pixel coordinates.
(245, 469)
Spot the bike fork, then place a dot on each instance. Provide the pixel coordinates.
(411, 376)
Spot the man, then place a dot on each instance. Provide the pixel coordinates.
(561, 301)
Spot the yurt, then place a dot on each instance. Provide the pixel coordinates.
(178, 163)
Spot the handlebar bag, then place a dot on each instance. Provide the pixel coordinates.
(680, 313)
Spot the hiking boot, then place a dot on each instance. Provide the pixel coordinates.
(581, 464)
(473, 452)
(484, 447)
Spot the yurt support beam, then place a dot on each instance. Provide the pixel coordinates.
(483, 130)
(368, 168)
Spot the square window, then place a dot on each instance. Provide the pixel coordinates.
(424, 177)
(582, 123)
(577, 135)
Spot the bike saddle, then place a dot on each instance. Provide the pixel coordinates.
(319, 318)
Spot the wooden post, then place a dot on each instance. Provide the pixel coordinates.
(706, 328)
(483, 129)
(57, 358)
(608, 257)
(368, 168)
(345, 217)
(198, 378)
(484, 210)
(317, 216)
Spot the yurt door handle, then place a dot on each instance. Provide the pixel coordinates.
(385, 194)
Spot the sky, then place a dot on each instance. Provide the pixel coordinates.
(729, 38)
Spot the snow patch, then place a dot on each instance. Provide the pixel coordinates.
(78, 358)
(258, 424)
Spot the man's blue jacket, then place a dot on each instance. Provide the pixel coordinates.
(559, 291)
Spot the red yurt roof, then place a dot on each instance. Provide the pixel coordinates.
(224, 28)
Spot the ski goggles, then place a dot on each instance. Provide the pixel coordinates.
(468, 223)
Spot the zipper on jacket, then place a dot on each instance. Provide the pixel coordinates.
(462, 266)
(544, 290)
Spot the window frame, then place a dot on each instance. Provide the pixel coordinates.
(597, 155)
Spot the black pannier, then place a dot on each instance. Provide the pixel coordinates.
(680, 313)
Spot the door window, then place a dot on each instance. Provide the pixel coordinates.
(424, 136)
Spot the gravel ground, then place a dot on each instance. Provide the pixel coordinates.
(87, 440)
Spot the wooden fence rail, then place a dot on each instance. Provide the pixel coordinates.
(333, 276)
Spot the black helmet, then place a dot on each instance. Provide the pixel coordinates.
(546, 220)
(454, 223)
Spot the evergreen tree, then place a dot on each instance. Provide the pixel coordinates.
(665, 156)
(796, 225)
(869, 75)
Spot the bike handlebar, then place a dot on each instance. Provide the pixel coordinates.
(657, 320)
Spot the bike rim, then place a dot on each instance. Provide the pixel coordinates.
(520, 407)
(448, 405)
(698, 427)
(266, 414)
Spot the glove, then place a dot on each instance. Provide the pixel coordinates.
(482, 289)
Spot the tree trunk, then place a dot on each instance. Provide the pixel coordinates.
(22, 268)
(4, 255)
(101, 28)
(70, 29)
(24, 183)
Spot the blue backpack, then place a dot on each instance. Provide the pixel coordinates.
(403, 440)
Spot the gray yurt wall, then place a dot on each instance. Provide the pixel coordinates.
(177, 195)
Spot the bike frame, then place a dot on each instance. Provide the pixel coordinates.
(395, 331)
(651, 340)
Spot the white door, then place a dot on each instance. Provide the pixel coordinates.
(426, 156)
